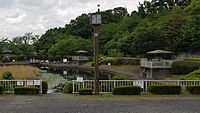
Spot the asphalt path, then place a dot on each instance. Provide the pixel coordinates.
(63, 103)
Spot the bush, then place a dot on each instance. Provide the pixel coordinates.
(26, 90)
(85, 91)
(127, 90)
(193, 89)
(165, 89)
(195, 75)
(184, 67)
(44, 87)
(68, 88)
(7, 75)
(112, 61)
(131, 61)
(119, 77)
(1, 89)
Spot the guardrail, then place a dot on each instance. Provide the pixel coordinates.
(106, 86)
(157, 64)
(9, 85)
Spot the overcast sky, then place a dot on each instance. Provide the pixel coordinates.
(18, 17)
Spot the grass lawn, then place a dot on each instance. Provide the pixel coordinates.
(20, 72)
(126, 68)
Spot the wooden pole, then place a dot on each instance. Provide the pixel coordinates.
(96, 61)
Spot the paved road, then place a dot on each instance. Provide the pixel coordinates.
(63, 103)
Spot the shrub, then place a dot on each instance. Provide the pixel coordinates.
(120, 77)
(1, 89)
(7, 75)
(195, 75)
(26, 90)
(68, 88)
(85, 91)
(131, 61)
(127, 90)
(44, 87)
(184, 67)
(193, 89)
(112, 61)
(165, 89)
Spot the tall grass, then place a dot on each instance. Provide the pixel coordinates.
(20, 72)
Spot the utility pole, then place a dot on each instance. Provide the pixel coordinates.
(95, 21)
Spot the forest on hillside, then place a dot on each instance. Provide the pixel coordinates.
(172, 25)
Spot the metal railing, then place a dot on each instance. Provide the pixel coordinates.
(156, 63)
(106, 86)
(80, 58)
(10, 85)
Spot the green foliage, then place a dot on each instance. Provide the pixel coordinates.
(114, 53)
(127, 90)
(7, 75)
(119, 77)
(69, 45)
(68, 88)
(193, 89)
(157, 24)
(184, 67)
(112, 61)
(26, 90)
(1, 89)
(44, 87)
(131, 61)
(85, 91)
(195, 75)
(165, 89)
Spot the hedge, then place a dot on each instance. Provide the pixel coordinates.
(127, 90)
(193, 89)
(44, 87)
(26, 90)
(192, 59)
(165, 89)
(68, 88)
(1, 89)
(184, 67)
(85, 91)
(112, 61)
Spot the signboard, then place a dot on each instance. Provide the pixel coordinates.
(139, 83)
(64, 60)
(79, 79)
(37, 82)
(29, 83)
(64, 72)
(20, 83)
(96, 19)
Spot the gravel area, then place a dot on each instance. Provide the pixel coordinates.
(63, 103)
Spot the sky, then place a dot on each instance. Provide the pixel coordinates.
(18, 17)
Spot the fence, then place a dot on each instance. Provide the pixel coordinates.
(156, 63)
(9, 85)
(106, 86)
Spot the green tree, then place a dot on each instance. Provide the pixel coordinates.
(69, 45)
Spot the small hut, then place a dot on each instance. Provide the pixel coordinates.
(157, 65)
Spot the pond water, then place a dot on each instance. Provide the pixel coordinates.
(56, 78)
